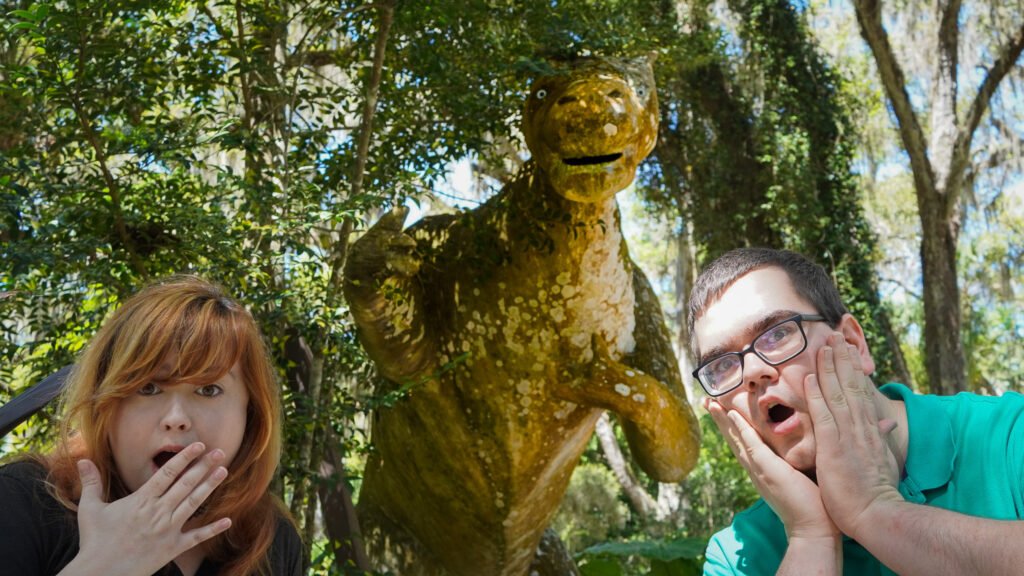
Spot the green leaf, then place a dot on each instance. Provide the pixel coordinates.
(664, 550)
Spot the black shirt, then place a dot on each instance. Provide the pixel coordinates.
(39, 536)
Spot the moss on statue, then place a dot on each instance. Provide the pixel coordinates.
(553, 324)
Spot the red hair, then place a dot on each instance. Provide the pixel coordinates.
(210, 333)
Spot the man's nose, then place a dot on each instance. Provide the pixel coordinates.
(176, 417)
(758, 372)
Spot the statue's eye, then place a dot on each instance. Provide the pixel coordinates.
(541, 94)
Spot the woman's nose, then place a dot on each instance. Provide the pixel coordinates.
(176, 416)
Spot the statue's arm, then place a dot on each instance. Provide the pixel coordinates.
(386, 301)
(646, 391)
(677, 425)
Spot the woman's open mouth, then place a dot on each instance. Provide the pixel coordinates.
(163, 457)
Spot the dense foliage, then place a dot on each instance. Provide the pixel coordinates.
(248, 141)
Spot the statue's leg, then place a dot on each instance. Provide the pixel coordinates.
(390, 548)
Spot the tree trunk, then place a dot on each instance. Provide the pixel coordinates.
(342, 525)
(943, 349)
(305, 378)
(642, 503)
(686, 272)
(899, 362)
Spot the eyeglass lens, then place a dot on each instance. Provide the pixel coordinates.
(776, 345)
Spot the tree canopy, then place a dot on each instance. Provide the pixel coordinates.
(250, 142)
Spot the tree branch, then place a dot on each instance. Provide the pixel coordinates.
(387, 14)
(943, 113)
(910, 291)
(113, 187)
(243, 65)
(869, 17)
(1008, 57)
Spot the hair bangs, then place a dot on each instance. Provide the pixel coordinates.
(131, 354)
(208, 343)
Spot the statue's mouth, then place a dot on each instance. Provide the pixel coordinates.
(592, 160)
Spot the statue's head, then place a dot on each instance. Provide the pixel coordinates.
(590, 123)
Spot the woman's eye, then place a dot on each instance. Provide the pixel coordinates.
(209, 390)
(148, 389)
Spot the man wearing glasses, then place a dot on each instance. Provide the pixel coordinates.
(854, 479)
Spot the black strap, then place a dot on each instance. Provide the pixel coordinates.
(32, 400)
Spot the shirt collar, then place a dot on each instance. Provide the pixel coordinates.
(931, 449)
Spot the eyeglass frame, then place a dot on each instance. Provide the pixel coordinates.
(749, 349)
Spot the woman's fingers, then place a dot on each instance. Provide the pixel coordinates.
(147, 527)
(193, 538)
(195, 497)
(92, 484)
(169, 473)
(181, 486)
(192, 479)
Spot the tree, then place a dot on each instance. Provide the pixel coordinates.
(250, 141)
(756, 151)
(126, 169)
(940, 160)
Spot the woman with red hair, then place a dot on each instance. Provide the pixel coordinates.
(169, 440)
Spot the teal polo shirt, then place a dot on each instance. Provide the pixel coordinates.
(966, 454)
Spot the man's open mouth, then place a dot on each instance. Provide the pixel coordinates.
(592, 160)
(779, 413)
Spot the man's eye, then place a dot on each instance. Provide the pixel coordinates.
(210, 390)
(723, 366)
(777, 335)
(148, 389)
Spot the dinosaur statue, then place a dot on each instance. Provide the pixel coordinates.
(514, 326)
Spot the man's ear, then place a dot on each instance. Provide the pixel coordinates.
(854, 334)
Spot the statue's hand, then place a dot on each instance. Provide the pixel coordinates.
(385, 250)
(661, 428)
(384, 299)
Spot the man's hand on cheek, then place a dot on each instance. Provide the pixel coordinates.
(790, 493)
(856, 470)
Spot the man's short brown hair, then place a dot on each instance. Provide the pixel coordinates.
(809, 280)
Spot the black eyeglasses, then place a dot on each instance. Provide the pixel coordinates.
(776, 345)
